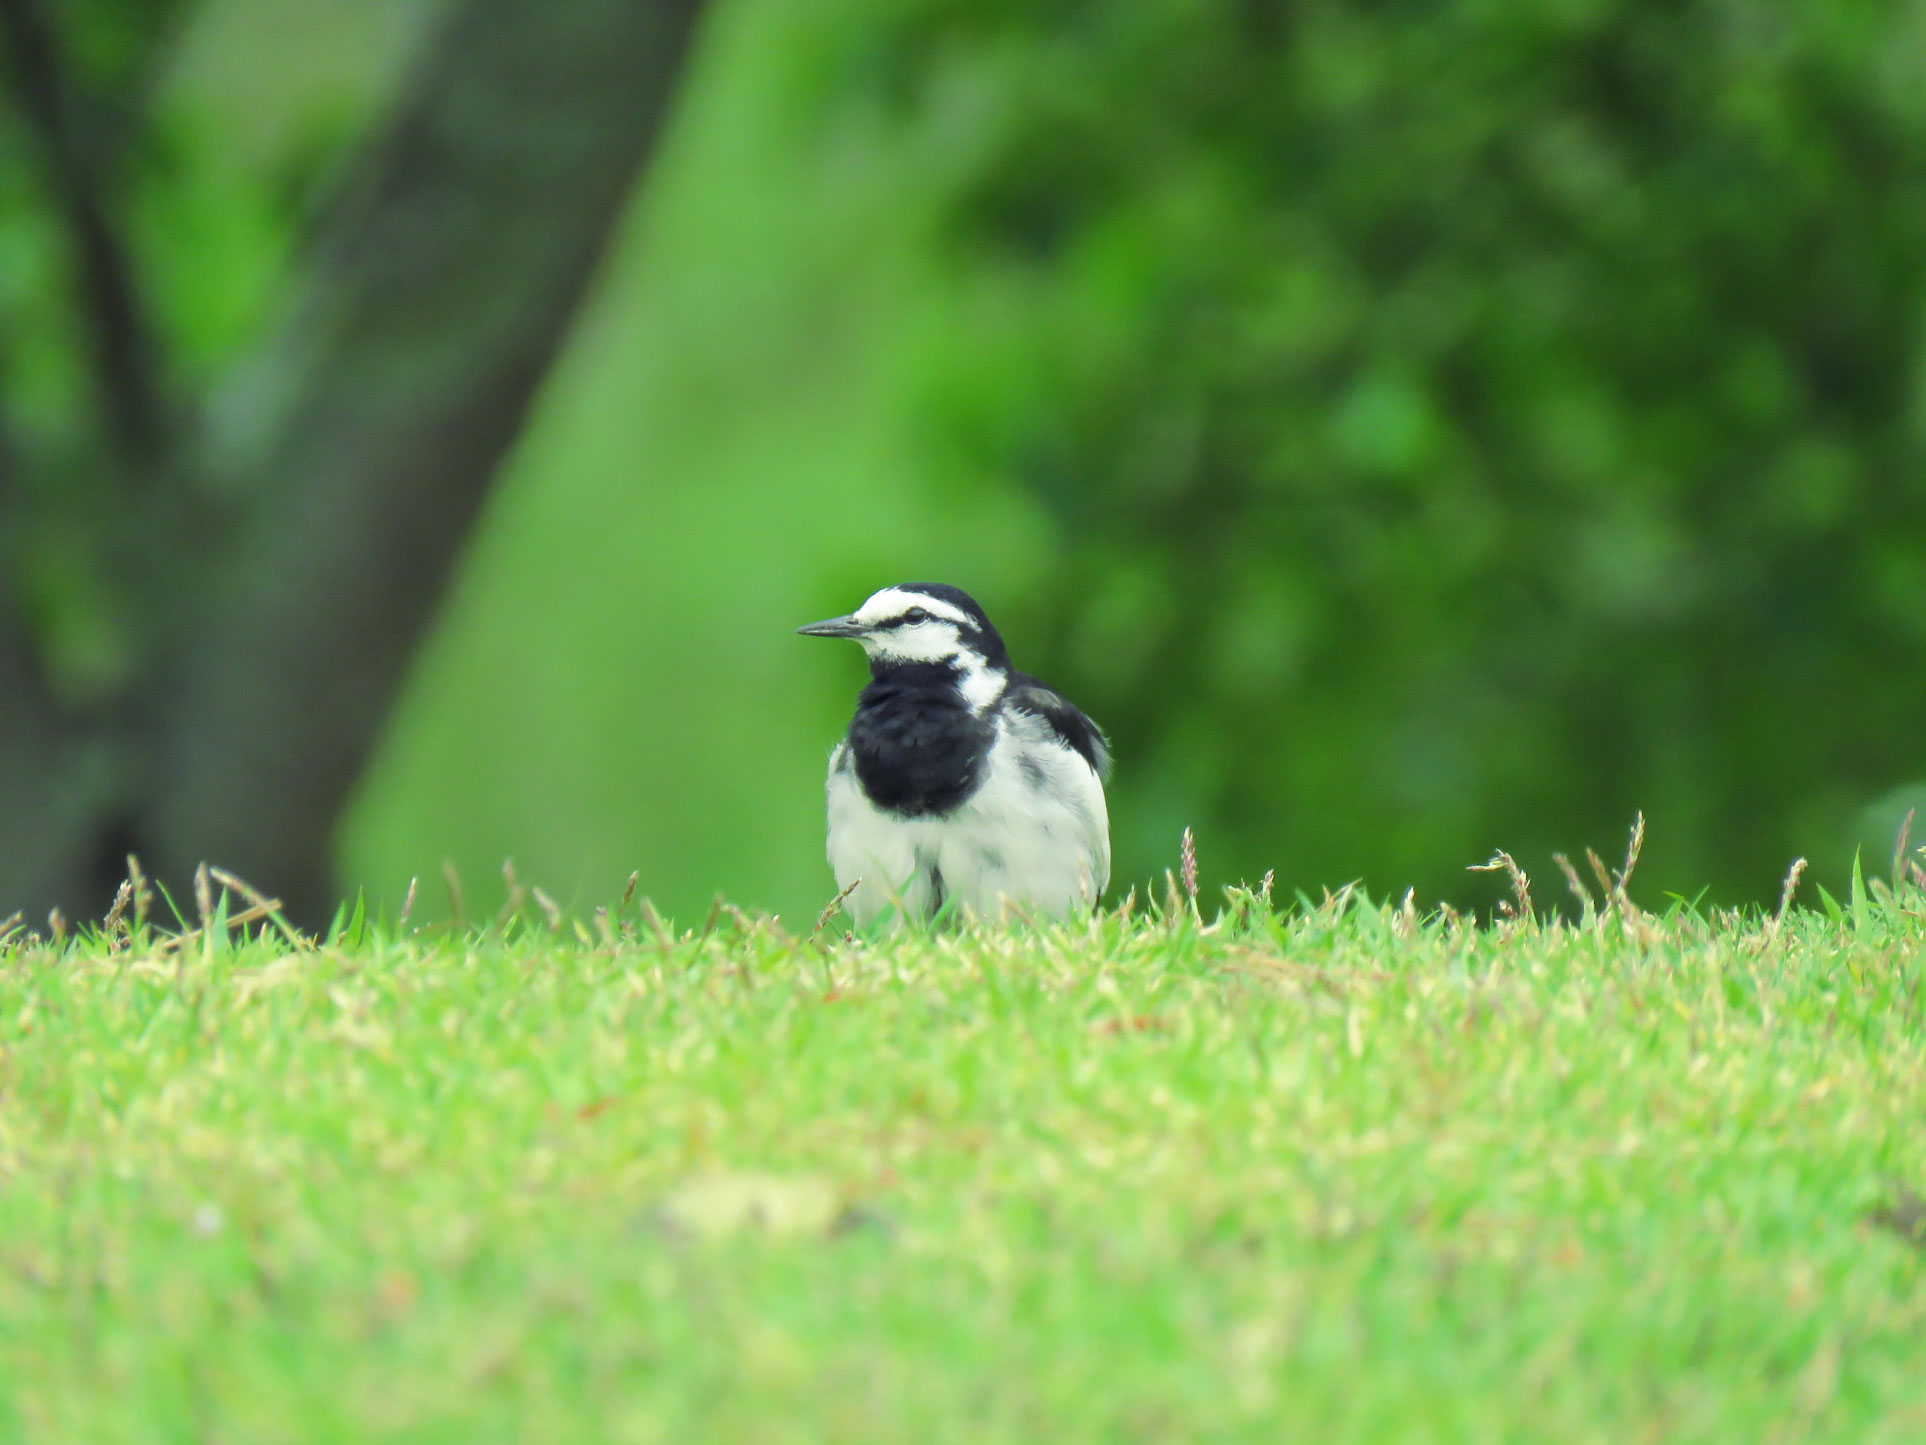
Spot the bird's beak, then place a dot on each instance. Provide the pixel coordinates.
(834, 627)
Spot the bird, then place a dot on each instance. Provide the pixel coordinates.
(961, 781)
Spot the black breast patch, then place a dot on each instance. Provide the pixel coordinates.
(919, 750)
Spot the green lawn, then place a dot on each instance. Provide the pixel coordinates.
(1339, 1173)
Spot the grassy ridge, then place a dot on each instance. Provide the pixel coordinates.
(1334, 1173)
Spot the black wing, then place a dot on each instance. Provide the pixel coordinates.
(1076, 731)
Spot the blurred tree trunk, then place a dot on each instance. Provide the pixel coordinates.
(320, 513)
(45, 830)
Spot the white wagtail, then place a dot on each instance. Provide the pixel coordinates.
(960, 778)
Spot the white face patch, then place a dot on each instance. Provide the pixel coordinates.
(980, 685)
(932, 641)
(939, 638)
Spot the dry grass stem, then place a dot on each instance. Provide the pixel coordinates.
(1335, 904)
(457, 904)
(831, 909)
(1503, 862)
(1408, 925)
(408, 903)
(1600, 872)
(1793, 875)
(652, 921)
(517, 895)
(260, 906)
(143, 892)
(1632, 850)
(1575, 884)
(247, 891)
(114, 926)
(268, 910)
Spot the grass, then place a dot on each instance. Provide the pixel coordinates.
(1332, 1172)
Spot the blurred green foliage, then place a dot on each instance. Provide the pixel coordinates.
(1465, 424)
(1409, 429)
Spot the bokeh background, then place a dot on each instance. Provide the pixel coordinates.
(1409, 429)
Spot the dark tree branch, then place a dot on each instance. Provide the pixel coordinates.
(29, 725)
(11, 461)
(44, 839)
(125, 356)
(441, 291)
(24, 709)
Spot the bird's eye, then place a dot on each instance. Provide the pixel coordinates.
(916, 614)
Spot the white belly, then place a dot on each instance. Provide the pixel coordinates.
(1034, 838)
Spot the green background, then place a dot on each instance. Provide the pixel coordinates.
(1410, 430)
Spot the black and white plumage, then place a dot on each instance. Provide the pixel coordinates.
(960, 778)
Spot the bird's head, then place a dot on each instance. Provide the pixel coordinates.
(926, 623)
